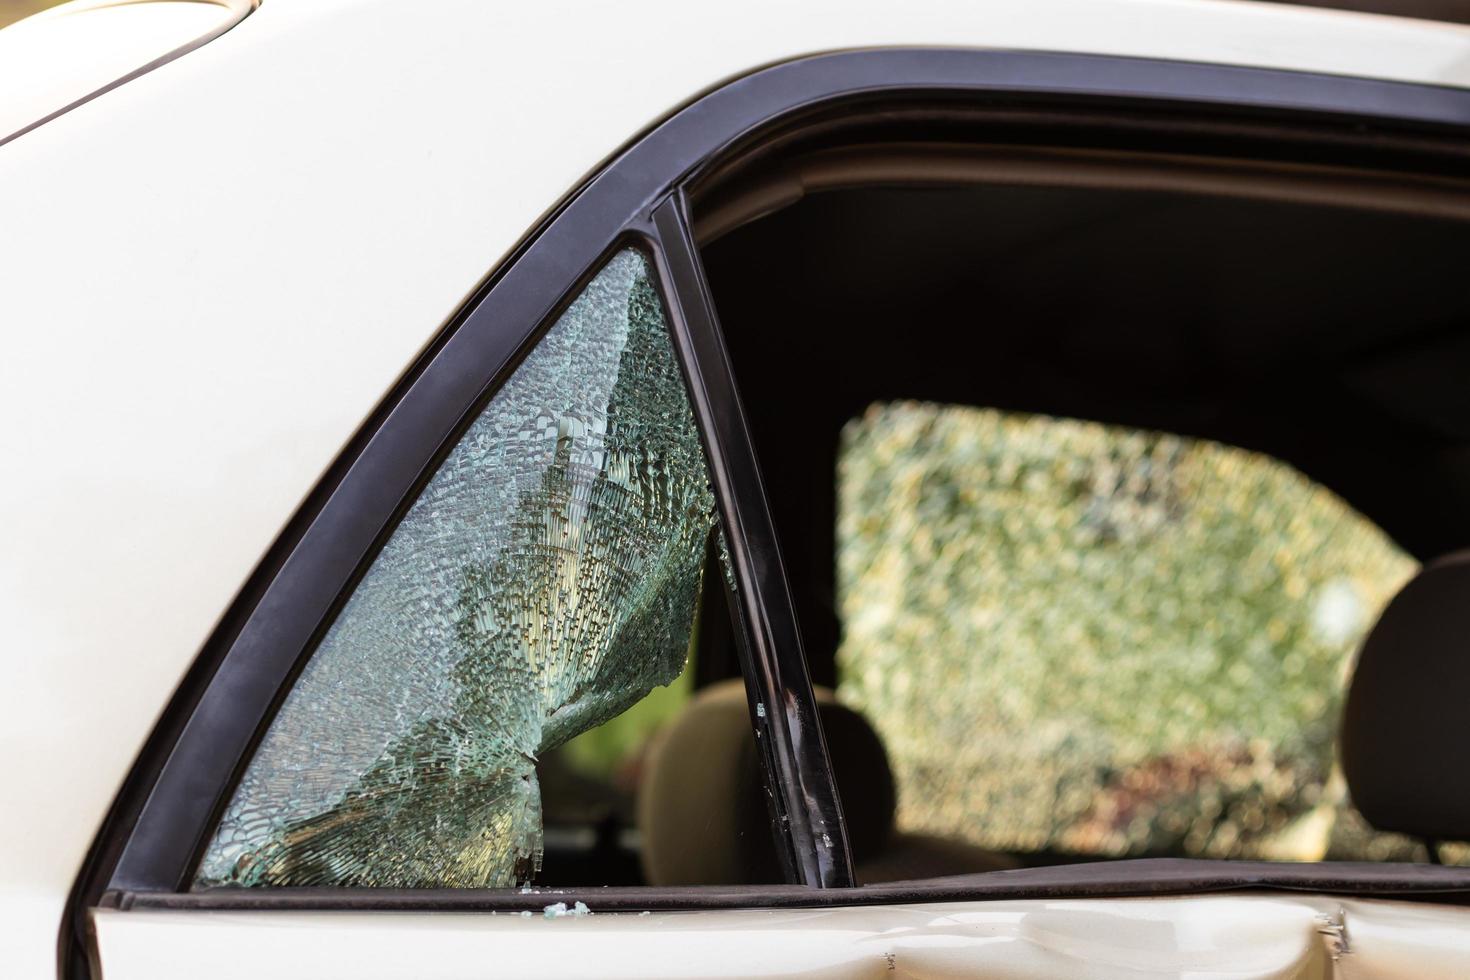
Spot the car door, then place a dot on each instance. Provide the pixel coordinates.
(521, 551)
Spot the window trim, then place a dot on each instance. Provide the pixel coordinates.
(1131, 878)
(793, 747)
(166, 809)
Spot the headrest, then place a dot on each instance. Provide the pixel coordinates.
(702, 808)
(1406, 727)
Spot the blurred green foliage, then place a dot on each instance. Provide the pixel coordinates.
(1087, 638)
(599, 752)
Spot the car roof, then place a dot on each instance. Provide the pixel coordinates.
(213, 272)
(56, 59)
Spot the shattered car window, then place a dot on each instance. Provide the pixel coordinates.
(543, 583)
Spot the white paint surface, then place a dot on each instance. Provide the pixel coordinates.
(1221, 938)
(58, 56)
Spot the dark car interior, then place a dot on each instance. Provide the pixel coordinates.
(1312, 315)
(1329, 338)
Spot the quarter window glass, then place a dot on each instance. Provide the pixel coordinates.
(544, 582)
(1083, 639)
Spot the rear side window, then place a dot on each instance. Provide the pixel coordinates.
(543, 583)
(1082, 639)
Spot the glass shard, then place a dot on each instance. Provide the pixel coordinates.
(544, 581)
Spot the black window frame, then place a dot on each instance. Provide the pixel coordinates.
(145, 853)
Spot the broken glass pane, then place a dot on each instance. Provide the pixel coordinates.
(543, 583)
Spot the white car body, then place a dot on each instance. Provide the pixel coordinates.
(210, 275)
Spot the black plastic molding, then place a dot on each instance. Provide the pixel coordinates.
(1146, 878)
(793, 749)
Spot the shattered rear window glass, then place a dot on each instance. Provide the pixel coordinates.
(543, 583)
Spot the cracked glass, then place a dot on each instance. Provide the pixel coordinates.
(543, 583)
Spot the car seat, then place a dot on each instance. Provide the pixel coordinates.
(703, 813)
(1406, 724)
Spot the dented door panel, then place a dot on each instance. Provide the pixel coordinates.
(1246, 937)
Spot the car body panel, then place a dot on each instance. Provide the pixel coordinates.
(1246, 937)
(212, 273)
(70, 53)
